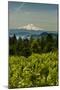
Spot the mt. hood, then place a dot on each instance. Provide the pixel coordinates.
(30, 27)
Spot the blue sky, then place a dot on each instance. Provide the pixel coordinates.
(41, 15)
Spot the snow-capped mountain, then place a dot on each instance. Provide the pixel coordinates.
(29, 30)
(30, 27)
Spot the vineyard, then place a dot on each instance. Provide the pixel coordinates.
(37, 70)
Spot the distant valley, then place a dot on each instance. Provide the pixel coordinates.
(23, 33)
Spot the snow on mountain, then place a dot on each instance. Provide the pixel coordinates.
(30, 27)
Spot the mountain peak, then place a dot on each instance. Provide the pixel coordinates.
(31, 27)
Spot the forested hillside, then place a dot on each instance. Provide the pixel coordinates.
(33, 62)
(25, 47)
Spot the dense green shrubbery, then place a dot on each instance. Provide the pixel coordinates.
(34, 71)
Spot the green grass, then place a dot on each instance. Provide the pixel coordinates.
(35, 71)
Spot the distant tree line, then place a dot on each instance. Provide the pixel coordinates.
(25, 47)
